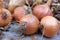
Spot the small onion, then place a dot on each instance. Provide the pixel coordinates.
(19, 12)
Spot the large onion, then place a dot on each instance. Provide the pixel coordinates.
(50, 26)
(31, 24)
(41, 11)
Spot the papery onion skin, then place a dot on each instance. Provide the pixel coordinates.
(15, 3)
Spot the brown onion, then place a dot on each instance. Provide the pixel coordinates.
(31, 24)
(19, 12)
(50, 26)
(5, 17)
(41, 11)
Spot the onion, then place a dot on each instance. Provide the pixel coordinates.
(5, 16)
(19, 12)
(30, 24)
(50, 26)
(41, 11)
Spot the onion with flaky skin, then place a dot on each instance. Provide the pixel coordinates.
(31, 24)
(50, 26)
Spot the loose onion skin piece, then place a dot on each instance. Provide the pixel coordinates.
(14, 3)
(19, 12)
(31, 24)
(51, 26)
(5, 17)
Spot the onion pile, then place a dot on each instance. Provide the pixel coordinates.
(29, 16)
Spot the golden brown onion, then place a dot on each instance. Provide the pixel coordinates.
(19, 12)
(31, 24)
(41, 10)
(50, 26)
(5, 17)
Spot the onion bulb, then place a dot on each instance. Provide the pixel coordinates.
(50, 26)
(31, 24)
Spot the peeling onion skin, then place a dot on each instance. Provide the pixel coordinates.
(31, 24)
(19, 12)
(51, 26)
(4, 21)
(41, 11)
(15, 3)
